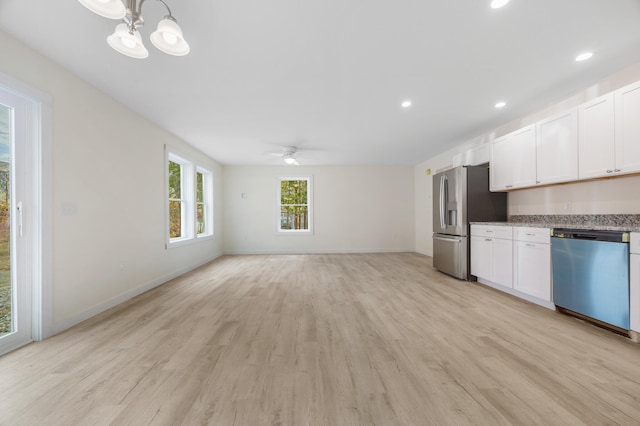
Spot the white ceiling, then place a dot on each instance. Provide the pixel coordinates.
(329, 76)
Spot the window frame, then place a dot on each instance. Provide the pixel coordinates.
(188, 199)
(309, 205)
(207, 201)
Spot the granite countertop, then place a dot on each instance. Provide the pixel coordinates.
(600, 222)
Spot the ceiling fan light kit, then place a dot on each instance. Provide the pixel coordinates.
(289, 158)
(126, 38)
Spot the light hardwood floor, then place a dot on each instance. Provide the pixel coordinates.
(362, 339)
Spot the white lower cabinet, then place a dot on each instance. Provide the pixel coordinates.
(492, 253)
(532, 262)
(516, 260)
(634, 290)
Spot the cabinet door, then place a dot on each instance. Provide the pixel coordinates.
(532, 269)
(627, 124)
(596, 138)
(481, 257)
(513, 160)
(502, 262)
(557, 148)
(500, 161)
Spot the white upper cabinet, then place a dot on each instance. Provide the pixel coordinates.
(627, 137)
(513, 160)
(596, 142)
(600, 138)
(609, 137)
(557, 148)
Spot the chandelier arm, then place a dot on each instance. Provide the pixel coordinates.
(165, 5)
(139, 11)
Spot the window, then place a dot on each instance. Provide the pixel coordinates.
(190, 195)
(177, 204)
(204, 204)
(294, 205)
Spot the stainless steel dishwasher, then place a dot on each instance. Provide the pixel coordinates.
(591, 274)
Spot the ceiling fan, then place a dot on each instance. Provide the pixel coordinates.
(288, 154)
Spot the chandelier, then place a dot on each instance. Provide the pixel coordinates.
(126, 38)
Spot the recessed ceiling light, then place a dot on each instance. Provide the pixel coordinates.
(406, 104)
(584, 56)
(497, 4)
(500, 104)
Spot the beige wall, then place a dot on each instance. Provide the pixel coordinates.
(610, 196)
(356, 209)
(108, 176)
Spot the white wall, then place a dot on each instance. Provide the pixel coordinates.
(612, 196)
(108, 174)
(356, 209)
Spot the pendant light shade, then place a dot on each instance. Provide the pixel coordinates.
(112, 9)
(126, 39)
(127, 43)
(168, 38)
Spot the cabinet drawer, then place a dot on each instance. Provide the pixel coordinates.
(492, 231)
(634, 247)
(532, 235)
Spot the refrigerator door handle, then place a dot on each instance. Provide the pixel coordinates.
(443, 222)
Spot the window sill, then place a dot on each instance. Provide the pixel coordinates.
(188, 241)
(279, 232)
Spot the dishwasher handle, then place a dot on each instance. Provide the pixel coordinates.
(591, 235)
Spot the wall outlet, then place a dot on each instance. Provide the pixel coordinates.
(68, 209)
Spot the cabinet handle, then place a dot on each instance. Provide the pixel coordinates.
(609, 171)
(530, 235)
(530, 245)
(617, 170)
(508, 186)
(537, 181)
(488, 239)
(488, 231)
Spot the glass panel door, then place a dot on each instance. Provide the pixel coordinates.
(15, 292)
(6, 285)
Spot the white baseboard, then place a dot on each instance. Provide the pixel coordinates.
(85, 315)
(319, 251)
(544, 303)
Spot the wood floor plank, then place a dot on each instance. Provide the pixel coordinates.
(349, 339)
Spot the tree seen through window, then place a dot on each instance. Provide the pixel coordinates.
(294, 204)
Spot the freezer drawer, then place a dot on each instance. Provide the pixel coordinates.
(450, 255)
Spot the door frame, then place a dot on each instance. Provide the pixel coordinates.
(40, 189)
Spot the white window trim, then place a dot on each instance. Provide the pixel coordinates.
(207, 177)
(309, 179)
(188, 195)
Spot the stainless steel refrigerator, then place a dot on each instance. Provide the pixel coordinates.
(460, 196)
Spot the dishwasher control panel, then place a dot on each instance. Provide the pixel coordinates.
(586, 234)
